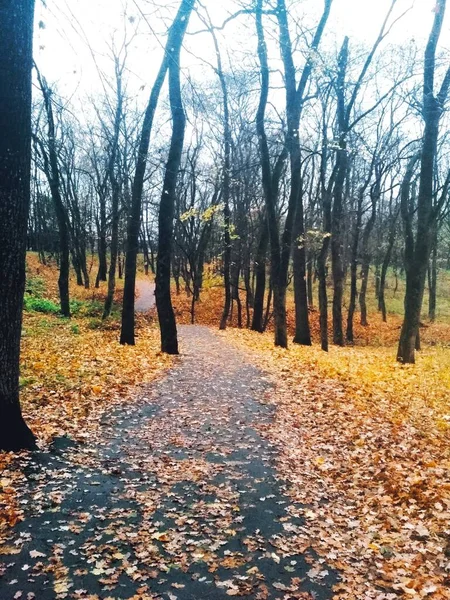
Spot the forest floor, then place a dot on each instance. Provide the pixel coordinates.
(237, 469)
(176, 497)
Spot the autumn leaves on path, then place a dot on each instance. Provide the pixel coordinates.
(176, 499)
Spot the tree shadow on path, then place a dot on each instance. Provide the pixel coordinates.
(176, 499)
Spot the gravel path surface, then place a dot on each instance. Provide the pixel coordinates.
(177, 499)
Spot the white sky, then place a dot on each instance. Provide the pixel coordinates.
(63, 55)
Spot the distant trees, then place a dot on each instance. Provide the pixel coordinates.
(308, 170)
(16, 24)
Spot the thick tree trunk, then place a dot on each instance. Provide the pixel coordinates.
(415, 280)
(16, 24)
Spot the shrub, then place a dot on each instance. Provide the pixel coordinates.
(40, 305)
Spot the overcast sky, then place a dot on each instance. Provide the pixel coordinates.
(69, 27)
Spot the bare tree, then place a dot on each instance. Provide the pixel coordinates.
(418, 244)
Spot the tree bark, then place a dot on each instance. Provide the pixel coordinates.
(166, 315)
(16, 24)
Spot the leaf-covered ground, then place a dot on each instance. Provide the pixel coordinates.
(175, 498)
(305, 475)
(72, 371)
(364, 445)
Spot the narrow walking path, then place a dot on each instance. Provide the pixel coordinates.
(177, 499)
(145, 295)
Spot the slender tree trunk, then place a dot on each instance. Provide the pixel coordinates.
(102, 246)
(354, 270)
(432, 280)
(309, 278)
(417, 251)
(115, 188)
(114, 249)
(260, 288)
(365, 267)
(226, 189)
(323, 295)
(174, 41)
(302, 330)
(268, 306)
(54, 179)
(384, 270)
(336, 248)
(77, 268)
(16, 24)
(120, 263)
(166, 315)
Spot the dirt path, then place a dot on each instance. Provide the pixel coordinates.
(145, 295)
(177, 499)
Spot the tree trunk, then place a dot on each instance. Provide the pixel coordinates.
(302, 330)
(16, 22)
(54, 179)
(417, 252)
(260, 288)
(309, 278)
(432, 281)
(365, 267)
(114, 249)
(102, 246)
(323, 295)
(384, 270)
(115, 188)
(354, 270)
(174, 41)
(166, 315)
(336, 248)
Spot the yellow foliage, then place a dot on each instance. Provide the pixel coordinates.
(70, 371)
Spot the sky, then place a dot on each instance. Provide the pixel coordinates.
(72, 36)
